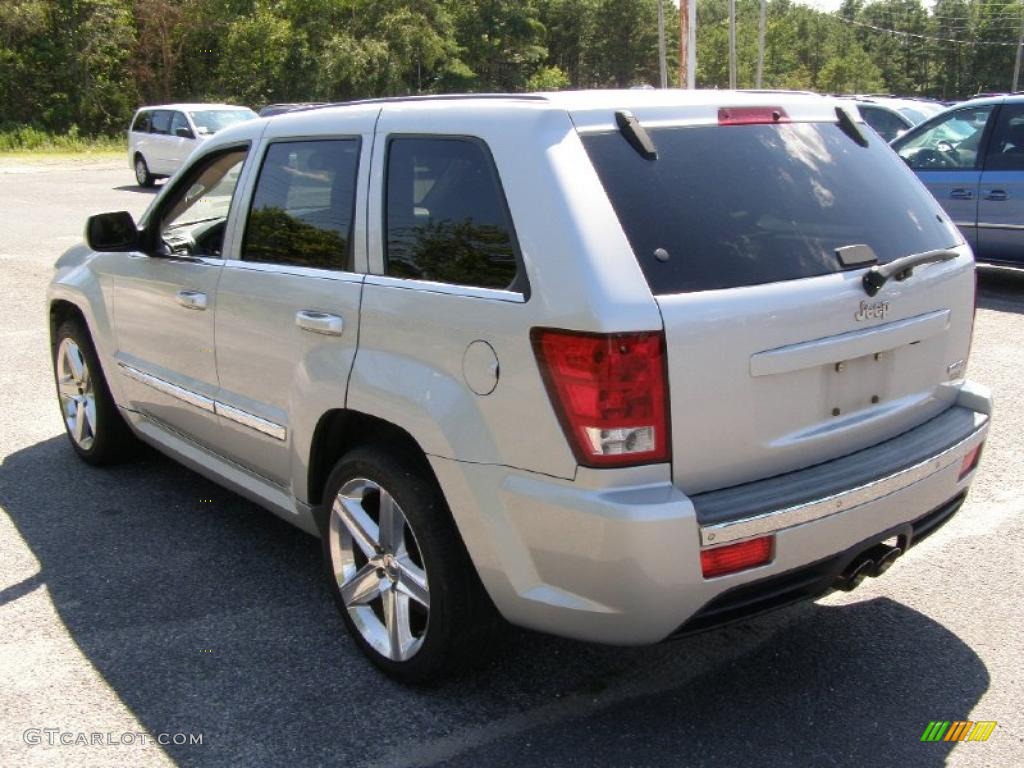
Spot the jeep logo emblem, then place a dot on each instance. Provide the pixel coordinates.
(871, 310)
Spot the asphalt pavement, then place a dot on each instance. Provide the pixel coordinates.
(142, 603)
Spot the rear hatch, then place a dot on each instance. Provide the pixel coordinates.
(777, 357)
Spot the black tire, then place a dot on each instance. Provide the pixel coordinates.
(459, 630)
(112, 441)
(142, 174)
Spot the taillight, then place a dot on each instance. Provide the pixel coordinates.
(970, 462)
(736, 557)
(751, 115)
(610, 393)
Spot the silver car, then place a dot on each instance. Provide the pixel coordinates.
(616, 366)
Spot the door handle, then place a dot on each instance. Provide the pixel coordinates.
(319, 322)
(962, 194)
(996, 194)
(192, 299)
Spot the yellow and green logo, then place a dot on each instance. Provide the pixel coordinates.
(958, 730)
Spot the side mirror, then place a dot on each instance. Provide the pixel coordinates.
(112, 232)
(184, 132)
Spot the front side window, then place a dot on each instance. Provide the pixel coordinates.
(446, 216)
(1006, 150)
(161, 121)
(195, 217)
(951, 144)
(304, 204)
(178, 121)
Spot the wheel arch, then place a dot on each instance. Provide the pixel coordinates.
(62, 310)
(340, 430)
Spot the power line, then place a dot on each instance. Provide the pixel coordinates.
(916, 36)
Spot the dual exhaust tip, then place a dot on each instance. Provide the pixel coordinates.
(873, 562)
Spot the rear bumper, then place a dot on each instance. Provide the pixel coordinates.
(621, 565)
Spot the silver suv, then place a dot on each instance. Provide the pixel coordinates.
(616, 366)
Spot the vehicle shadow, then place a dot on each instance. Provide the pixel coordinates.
(136, 188)
(205, 614)
(1001, 288)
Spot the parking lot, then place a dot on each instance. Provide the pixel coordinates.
(144, 600)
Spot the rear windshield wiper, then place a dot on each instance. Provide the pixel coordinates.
(902, 268)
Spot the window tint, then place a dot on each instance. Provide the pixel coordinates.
(193, 220)
(886, 123)
(142, 122)
(950, 144)
(446, 216)
(161, 121)
(303, 206)
(1006, 150)
(178, 121)
(745, 205)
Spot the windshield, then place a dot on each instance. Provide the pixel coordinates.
(212, 120)
(731, 206)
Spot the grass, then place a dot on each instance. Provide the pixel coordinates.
(27, 142)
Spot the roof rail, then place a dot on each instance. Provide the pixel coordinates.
(431, 97)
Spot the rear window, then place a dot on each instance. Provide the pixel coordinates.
(724, 207)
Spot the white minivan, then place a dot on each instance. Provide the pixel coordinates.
(161, 138)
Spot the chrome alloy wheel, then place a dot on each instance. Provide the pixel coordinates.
(77, 396)
(379, 569)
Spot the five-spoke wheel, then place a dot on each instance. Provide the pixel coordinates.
(379, 569)
(75, 390)
(97, 431)
(399, 573)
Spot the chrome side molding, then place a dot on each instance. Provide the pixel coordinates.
(246, 419)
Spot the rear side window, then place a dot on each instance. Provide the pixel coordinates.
(886, 123)
(303, 206)
(142, 122)
(730, 206)
(1006, 150)
(161, 122)
(446, 217)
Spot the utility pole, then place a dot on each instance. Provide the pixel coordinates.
(688, 44)
(662, 61)
(1016, 65)
(760, 42)
(732, 43)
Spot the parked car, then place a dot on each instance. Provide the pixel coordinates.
(914, 109)
(279, 109)
(888, 123)
(161, 138)
(613, 365)
(971, 157)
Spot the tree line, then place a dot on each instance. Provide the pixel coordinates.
(90, 63)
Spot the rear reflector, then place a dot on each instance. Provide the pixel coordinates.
(610, 394)
(736, 557)
(970, 461)
(751, 115)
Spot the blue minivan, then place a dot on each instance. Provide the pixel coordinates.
(971, 157)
